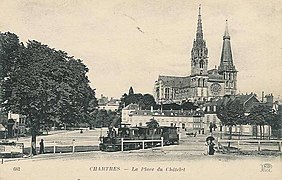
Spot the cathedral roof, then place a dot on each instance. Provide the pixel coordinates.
(213, 74)
(174, 81)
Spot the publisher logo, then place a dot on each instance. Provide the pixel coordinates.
(266, 167)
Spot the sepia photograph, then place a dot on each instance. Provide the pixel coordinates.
(140, 89)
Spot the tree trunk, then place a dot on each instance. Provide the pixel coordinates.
(269, 132)
(260, 132)
(256, 131)
(230, 135)
(33, 140)
(263, 131)
(240, 131)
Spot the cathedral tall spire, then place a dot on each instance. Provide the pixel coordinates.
(199, 34)
(199, 52)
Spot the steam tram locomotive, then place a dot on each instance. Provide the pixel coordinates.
(112, 142)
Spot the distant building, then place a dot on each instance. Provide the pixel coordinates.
(248, 101)
(202, 84)
(188, 120)
(108, 104)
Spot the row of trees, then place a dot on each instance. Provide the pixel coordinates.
(146, 101)
(232, 112)
(44, 84)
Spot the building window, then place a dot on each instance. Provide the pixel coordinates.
(183, 125)
(166, 93)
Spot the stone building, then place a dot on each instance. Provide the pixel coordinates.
(202, 84)
(185, 120)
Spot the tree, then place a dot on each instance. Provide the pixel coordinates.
(261, 115)
(146, 102)
(152, 124)
(231, 113)
(48, 85)
(143, 101)
(10, 48)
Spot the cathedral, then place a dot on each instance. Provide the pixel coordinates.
(202, 84)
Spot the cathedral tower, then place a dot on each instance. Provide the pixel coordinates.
(199, 62)
(226, 67)
(199, 52)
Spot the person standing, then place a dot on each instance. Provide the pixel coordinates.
(41, 147)
(210, 144)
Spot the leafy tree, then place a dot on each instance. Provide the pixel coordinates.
(231, 113)
(261, 115)
(47, 85)
(143, 101)
(10, 48)
(147, 101)
(152, 124)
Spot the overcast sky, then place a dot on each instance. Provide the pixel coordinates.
(130, 43)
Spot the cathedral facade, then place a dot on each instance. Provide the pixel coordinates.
(202, 84)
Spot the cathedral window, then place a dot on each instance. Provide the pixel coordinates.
(199, 82)
(203, 82)
(202, 64)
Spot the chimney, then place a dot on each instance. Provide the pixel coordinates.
(262, 96)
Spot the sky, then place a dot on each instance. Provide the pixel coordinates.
(131, 42)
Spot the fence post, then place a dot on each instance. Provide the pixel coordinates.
(54, 148)
(73, 147)
(121, 144)
(258, 145)
(143, 144)
(162, 142)
(279, 144)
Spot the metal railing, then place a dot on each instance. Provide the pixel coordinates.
(250, 143)
(141, 141)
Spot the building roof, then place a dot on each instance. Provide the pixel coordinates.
(180, 113)
(243, 98)
(174, 81)
(131, 107)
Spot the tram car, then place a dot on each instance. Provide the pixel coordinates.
(112, 142)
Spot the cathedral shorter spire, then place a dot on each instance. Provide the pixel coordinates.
(226, 33)
(226, 60)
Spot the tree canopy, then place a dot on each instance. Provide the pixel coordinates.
(44, 84)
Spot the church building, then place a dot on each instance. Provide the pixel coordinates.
(202, 84)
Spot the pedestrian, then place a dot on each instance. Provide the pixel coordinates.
(41, 147)
(211, 126)
(210, 144)
(214, 127)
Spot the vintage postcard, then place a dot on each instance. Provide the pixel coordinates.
(140, 89)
